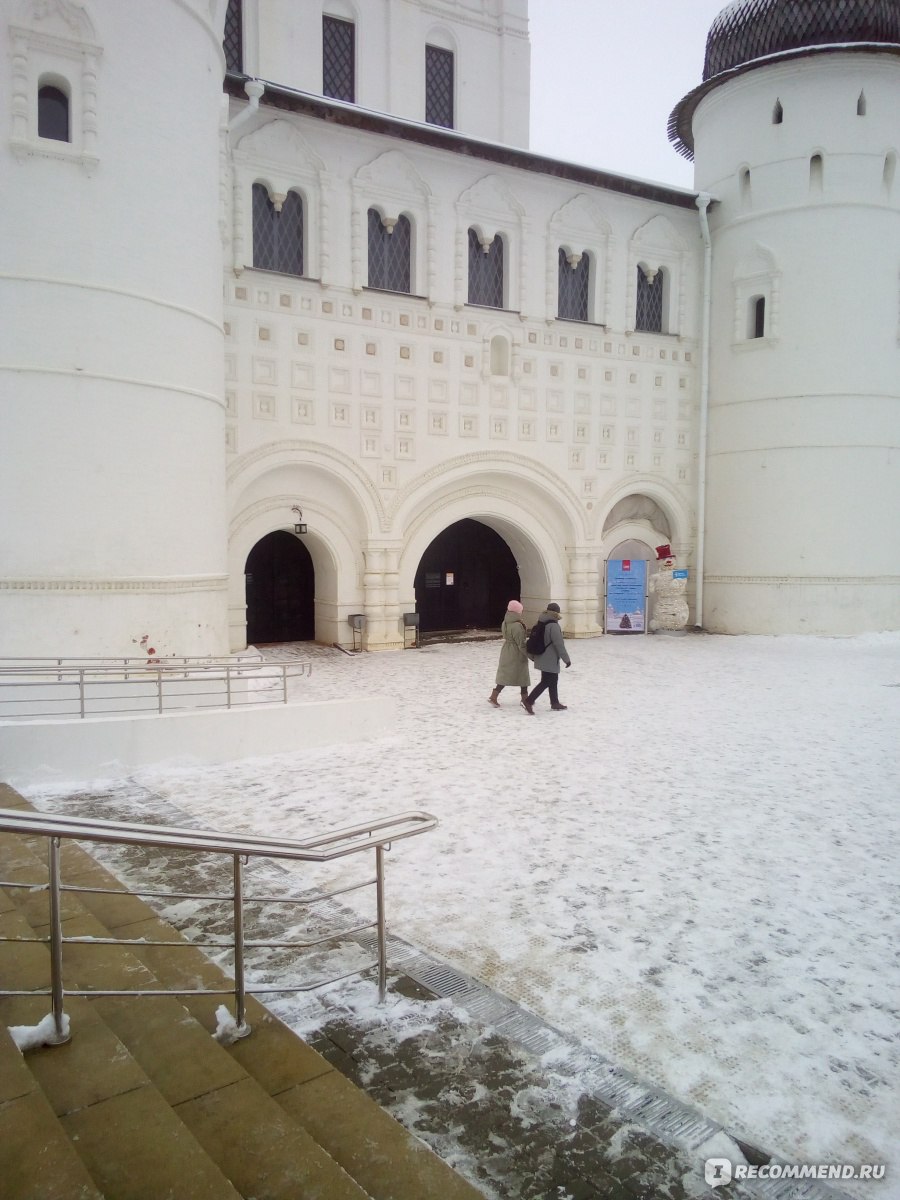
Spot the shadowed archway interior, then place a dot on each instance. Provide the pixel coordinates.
(280, 581)
(465, 580)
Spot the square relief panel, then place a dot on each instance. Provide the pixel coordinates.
(499, 397)
(231, 404)
(303, 375)
(582, 402)
(437, 423)
(607, 406)
(387, 477)
(264, 406)
(230, 366)
(405, 420)
(527, 429)
(437, 391)
(338, 380)
(554, 431)
(527, 400)
(468, 393)
(265, 370)
(231, 438)
(340, 414)
(405, 448)
(581, 431)
(370, 447)
(370, 418)
(576, 460)
(555, 402)
(405, 387)
(499, 427)
(303, 412)
(468, 425)
(370, 383)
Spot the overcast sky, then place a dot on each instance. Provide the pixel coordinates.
(605, 74)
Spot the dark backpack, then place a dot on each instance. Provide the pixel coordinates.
(536, 641)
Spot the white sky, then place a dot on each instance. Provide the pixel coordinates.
(605, 74)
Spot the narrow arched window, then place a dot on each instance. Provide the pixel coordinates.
(861, 105)
(485, 270)
(53, 113)
(648, 315)
(746, 195)
(439, 86)
(757, 317)
(390, 243)
(777, 113)
(277, 232)
(339, 59)
(574, 281)
(233, 41)
(816, 173)
(889, 171)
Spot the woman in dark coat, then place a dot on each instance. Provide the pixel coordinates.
(513, 669)
(548, 662)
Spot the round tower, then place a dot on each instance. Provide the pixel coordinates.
(111, 350)
(794, 134)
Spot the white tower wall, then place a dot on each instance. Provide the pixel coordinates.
(804, 420)
(111, 344)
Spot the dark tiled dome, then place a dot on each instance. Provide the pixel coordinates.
(749, 29)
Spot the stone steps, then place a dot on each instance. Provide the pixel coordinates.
(142, 1103)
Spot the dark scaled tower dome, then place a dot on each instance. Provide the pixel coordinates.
(749, 33)
(749, 29)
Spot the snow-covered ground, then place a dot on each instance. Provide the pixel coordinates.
(695, 870)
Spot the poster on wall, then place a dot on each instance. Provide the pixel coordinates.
(626, 595)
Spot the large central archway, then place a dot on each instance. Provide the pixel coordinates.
(465, 579)
(280, 581)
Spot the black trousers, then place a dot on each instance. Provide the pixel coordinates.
(549, 680)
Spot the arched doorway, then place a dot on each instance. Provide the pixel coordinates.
(465, 580)
(281, 585)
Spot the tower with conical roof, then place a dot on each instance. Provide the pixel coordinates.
(794, 134)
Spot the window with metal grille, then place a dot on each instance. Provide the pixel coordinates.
(439, 86)
(574, 277)
(649, 309)
(485, 272)
(277, 236)
(339, 59)
(233, 41)
(53, 114)
(389, 253)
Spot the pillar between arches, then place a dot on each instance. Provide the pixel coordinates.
(381, 596)
(582, 616)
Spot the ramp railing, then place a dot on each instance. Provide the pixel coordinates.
(374, 837)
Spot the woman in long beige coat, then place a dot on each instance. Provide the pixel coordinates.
(513, 669)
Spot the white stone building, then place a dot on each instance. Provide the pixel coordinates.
(344, 295)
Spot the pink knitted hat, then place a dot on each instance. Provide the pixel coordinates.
(514, 606)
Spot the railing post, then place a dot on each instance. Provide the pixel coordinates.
(159, 698)
(228, 685)
(284, 682)
(382, 940)
(61, 1033)
(239, 994)
(81, 693)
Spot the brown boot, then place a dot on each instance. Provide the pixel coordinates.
(492, 698)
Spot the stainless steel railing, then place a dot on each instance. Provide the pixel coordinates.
(42, 689)
(374, 837)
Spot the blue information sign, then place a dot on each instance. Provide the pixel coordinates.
(626, 595)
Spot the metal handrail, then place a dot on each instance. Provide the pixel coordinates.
(376, 836)
(96, 690)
